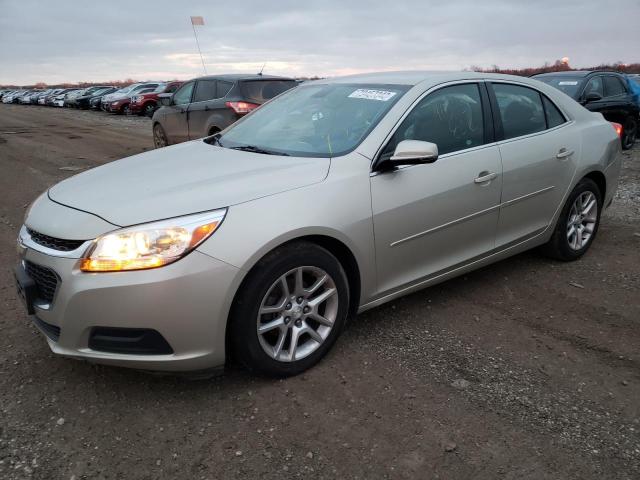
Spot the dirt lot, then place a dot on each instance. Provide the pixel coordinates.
(528, 369)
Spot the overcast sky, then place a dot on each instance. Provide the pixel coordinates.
(66, 40)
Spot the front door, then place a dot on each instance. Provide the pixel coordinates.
(176, 116)
(429, 218)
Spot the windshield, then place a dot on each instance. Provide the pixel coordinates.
(564, 83)
(314, 120)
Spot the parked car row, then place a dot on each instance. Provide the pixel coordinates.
(613, 94)
(143, 97)
(200, 107)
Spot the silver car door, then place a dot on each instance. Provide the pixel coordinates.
(428, 218)
(539, 151)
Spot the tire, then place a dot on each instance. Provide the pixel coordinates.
(125, 110)
(270, 352)
(568, 242)
(148, 110)
(629, 133)
(159, 136)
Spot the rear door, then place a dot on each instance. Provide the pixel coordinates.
(175, 116)
(208, 112)
(619, 102)
(539, 148)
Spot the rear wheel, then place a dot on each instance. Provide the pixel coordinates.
(159, 137)
(148, 110)
(629, 133)
(290, 310)
(578, 222)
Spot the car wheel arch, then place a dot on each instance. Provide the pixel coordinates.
(600, 180)
(336, 247)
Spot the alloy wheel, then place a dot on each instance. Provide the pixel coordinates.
(297, 313)
(582, 219)
(159, 138)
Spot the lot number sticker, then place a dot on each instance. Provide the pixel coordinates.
(379, 95)
(567, 83)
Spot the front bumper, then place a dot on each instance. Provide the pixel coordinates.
(187, 302)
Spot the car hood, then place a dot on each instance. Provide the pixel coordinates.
(183, 179)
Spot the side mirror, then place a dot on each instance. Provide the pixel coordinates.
(592, 97)
(166, 99)
(411, 152)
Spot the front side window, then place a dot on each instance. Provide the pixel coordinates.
(317, 120)
(205, 90)
(594, 86)
(520, 109)
(450, 117)
(183, 95)
(613, 86)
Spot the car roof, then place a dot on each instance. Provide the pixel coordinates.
(412, 78)
(241, 76)
(574, 73)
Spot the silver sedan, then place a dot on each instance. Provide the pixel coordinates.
(340, 195)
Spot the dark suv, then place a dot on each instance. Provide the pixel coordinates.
(601, 91)
(207, 105)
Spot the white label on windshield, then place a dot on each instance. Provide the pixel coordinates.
(567, 83)
(379, 95)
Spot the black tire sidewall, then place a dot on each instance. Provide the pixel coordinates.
(625, 144)
(245, 344)
(560, 242)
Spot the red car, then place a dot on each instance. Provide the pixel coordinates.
(147, 103)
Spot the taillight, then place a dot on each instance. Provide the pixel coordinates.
(241, 108)
(618, 128)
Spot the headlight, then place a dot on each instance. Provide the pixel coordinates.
(150, 245)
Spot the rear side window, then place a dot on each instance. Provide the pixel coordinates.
(205, 90)
(521, 110)
(223, 88)
(613, 86)
(262, 90)
(450, 117)
(554, 117)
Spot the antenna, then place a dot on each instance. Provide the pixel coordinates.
(263, 65)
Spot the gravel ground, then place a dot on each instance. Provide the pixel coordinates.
(527, 369)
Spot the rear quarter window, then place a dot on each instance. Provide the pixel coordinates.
(262, 90)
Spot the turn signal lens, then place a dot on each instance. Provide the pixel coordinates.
(152, 245)
(618, 128)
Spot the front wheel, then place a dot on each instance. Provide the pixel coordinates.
(629, 133)
(159, 137)
(290, 310)
(578, 223)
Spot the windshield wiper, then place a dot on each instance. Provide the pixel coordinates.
(254, 149)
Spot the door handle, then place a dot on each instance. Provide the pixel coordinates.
(485, 177)
(564, 153)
